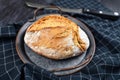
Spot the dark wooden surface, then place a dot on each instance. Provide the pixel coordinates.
(111, 4)
(13, 11)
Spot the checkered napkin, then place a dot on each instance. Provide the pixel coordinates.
(105, 64)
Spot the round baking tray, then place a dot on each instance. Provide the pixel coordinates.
(58, 67)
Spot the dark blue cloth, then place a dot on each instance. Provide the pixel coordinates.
(105, 64)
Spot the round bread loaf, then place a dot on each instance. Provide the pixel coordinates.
(56, 37)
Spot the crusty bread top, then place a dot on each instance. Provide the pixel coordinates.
(52, 21)
(53, 29)
(56, 37)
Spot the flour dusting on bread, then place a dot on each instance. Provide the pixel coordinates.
(56, 37)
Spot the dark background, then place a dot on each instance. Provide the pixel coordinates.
(111, 4)
(9, 9)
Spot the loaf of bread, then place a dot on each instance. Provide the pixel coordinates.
(56, 37)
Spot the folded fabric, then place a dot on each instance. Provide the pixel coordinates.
(10, 30)
(7, 31)
(105, 64)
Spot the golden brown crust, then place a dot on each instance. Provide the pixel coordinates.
(51, 21)
(54, 29)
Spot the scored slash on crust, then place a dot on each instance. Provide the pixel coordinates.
(56, 37)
